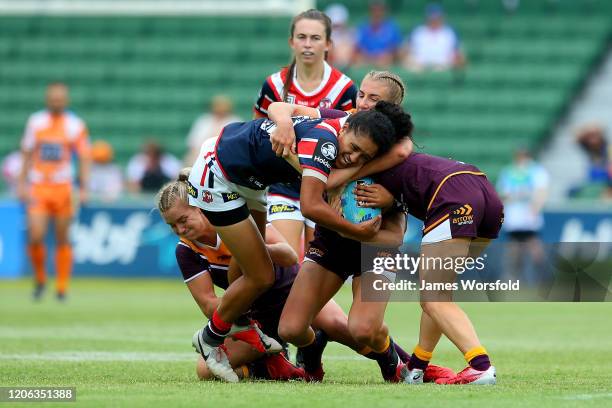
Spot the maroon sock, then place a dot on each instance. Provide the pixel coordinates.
(402, 353)
(416, 362)
(480, 363)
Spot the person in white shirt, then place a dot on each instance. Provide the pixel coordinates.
(152, 168)
(523, 187)
(209, 125)
(434, 45)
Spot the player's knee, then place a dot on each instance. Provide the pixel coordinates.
(432, 308)
(363, 332)
(290, 331)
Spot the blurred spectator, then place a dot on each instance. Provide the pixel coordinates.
(434, 45)
(379, 39)
(523, 187)
(598, 183)
(106, 181)
(149, 170)
(209, 125)
(343, 37)
(11, 167)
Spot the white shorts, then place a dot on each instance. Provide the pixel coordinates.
(211, 191)
(284, 208)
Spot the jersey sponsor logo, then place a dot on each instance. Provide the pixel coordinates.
(463, 215)
(316, 252)
(325, 103)
(299, 119)
(281, 208)
(227, 197)
(207, 196)
(256, 182)
(290, 98)
(328, 150)
(268, 126)
(191, 190)
(321, 160)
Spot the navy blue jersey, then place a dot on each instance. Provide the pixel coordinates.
(289, 190)
(292, 190)
(244, 152)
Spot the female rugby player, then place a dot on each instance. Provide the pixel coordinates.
(228, 182)
(365, 319)
(310, 81)
(462, 213)
(203, 260)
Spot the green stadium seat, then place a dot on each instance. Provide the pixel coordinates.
(138, 76)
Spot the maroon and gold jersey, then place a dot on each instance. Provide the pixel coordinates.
(416, 181)
(195, 259)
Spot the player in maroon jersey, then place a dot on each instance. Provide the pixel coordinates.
(462, 214)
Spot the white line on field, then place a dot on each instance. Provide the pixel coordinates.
(85, 335)
(125, 356)
(587, 396)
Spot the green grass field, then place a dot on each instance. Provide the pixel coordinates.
(128, 343)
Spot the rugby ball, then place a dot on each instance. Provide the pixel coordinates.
(351, 210)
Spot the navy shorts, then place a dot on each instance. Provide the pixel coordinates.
(342, 256)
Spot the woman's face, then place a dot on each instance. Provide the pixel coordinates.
(370, 92)
(355, 150)
(186, 221)
(308, 42)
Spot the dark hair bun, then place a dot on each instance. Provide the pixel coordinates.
(402, 121)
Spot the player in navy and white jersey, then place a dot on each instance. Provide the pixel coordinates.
(228, 182)
(204, 260)
(308, 81)
(331, 263)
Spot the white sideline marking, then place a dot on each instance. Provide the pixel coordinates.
(85, 334)
(126, 356)
(587, 396)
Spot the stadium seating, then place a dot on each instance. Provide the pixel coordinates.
(133, 78)
(523, 71)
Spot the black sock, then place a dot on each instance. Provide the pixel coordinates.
(242, 321)
(210, 337)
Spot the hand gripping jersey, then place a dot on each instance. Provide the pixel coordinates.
(52, 139)
(335, 91)
(244, 152)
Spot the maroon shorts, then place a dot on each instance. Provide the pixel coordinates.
(466, 205)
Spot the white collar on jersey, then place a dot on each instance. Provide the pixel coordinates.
(203, 245)
(326, 74)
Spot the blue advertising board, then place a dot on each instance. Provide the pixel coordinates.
(134, 241)
(12, 236)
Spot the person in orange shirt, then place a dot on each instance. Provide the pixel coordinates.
(45, 182)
